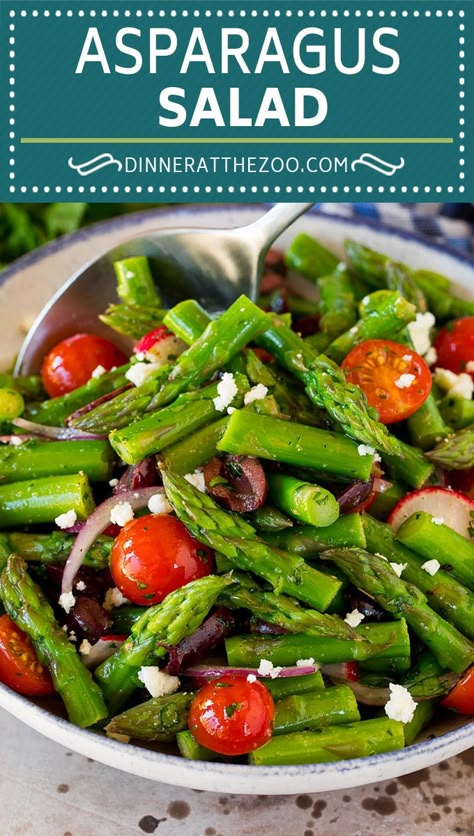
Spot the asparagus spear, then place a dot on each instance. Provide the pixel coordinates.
(236, 539)
(326, 387)
(337, 303)
(315, 710)
(455, 452)
(133, 320)
(309, 542)
(222, 339)
(37, 459)
(187, 320)
(435, 539)
(160, 718)
(375, 576)
(457, 411)
(306, 502)
(25, 604)
(135, 285)
(286, 686)
(246, 593)
(444, 593)
(190, 749)
(54, 412)
(414, 468)
(384, 314)
(384, 641)
(194, 450)
(164, 624)
(369, 737)
(30, 387)
(310, 258)
(56, 546)
(296, 444)
(189, 412)
(42, 500)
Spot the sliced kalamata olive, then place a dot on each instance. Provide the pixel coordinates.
(271, 281)
(356, 600)
(88, 619)
(238, 483)
(354, 495)
(136, 476)
(307, 325)
(88, 581)
(202, 642)
(275, 262)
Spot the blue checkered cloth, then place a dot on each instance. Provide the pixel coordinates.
(451, 224)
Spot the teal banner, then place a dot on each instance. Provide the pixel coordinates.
(244, 101)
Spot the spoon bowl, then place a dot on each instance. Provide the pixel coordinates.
(212, 266)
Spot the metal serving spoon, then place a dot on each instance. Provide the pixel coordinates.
(212, 265)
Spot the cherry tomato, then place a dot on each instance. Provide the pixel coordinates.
(71, 362)
(19, 665)
(231, 715)
(455, 345)
(395, 379)
(461, 697)
(153, 555)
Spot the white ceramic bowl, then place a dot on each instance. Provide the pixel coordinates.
(25, 287)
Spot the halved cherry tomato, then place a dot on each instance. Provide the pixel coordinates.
(153, 555)
(395, 379)
(455, 345)
(231, 715)
(70, 363)
(19, 665)
(461, 697)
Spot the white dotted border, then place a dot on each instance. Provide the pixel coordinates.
(196, 13)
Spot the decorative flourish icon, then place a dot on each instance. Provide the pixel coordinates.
(95, 164)
(382, 166)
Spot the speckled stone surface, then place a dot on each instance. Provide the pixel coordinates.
(47, 790)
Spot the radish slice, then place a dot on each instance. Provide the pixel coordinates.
(98, 521)
(453, 508)
(56, 433)
(160, 346)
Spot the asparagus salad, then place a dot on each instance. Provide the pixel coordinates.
(253, 538)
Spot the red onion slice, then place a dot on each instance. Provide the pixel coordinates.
(109, 396)
(207, 672)
(16, 440)
(102, 650)
(56, 433)
(98, 521)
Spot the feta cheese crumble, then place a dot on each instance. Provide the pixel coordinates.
(266, 668)
(158, 504)
(113, 483)
(431, 356)
(401, 705)
(419, 331)
(85, 647)
(66, 520)
(354, 618)
(226, 392)
(454, 384)
(431, 566)
(469, 366)
(80, 586)
(305, 663)
(158, 683)
(398, 568)
(114, 598)
(365, 450)
(139, 372)
(437, 520)
(251, 677)
(405, 381)
(66, 601)
(196, 479)
(98, 371)
(256, 393)
(121, 513)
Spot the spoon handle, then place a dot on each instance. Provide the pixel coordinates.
(264, 230)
